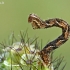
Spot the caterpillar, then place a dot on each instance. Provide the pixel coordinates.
(37, 23)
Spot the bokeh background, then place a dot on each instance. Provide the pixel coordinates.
(14, 17)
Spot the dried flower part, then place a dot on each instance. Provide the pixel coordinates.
(24, 54)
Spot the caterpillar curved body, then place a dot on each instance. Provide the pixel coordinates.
(37, 23)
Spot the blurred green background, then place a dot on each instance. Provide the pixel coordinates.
(14, 17)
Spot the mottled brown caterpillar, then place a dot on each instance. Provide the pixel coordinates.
(37, 23)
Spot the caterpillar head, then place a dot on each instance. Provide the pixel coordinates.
(36, 21)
